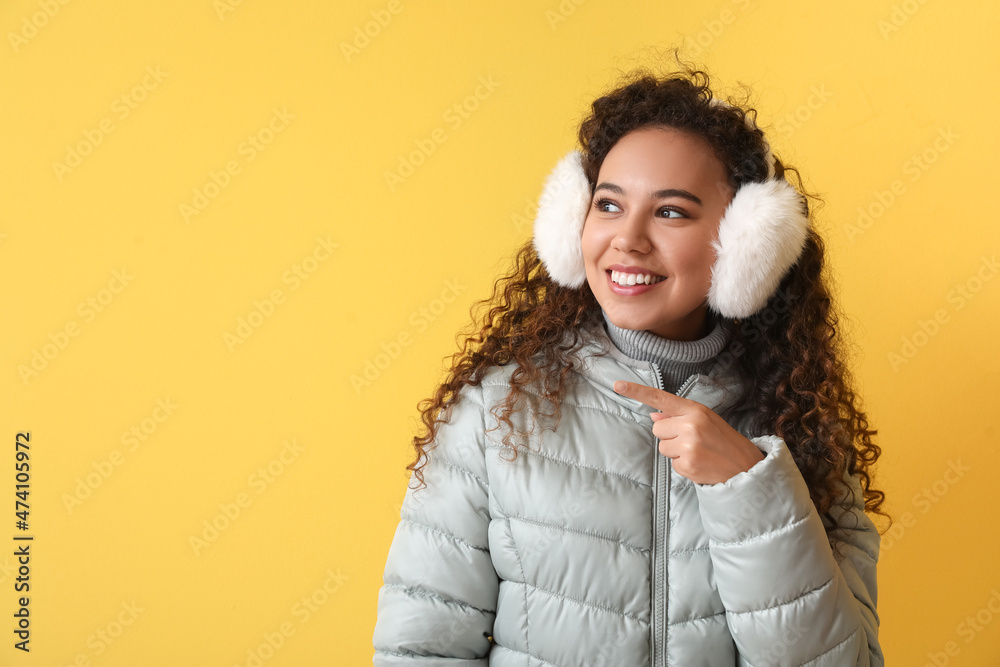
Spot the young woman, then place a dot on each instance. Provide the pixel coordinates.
(697, 493)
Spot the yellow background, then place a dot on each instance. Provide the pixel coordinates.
(852, 93)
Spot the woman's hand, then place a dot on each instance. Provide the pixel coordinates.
(703, 446)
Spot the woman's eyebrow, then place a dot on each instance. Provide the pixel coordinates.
(659, 194)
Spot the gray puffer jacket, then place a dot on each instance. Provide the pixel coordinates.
(591, 550)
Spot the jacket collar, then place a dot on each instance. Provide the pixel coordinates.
(604, 364)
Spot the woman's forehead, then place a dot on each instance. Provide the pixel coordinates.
(655, 158)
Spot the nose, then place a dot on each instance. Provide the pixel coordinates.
(632, 233)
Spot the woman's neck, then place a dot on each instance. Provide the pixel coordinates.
(676, 359)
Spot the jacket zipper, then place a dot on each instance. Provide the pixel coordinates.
(661, 477)
(687, 385)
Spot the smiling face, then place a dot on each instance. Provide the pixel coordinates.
(660, 195)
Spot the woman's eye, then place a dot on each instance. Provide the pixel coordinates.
(601, 203)
(608, 206)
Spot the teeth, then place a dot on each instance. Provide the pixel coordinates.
(623, 278)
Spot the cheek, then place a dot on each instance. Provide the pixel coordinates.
(709, 254)
(692, 256)
(591, 243)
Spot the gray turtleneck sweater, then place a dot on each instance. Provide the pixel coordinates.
(677, 359)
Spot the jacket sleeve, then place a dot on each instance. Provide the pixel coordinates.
(788, 600)
(438, 600)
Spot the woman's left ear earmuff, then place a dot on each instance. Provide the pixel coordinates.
(761, 235)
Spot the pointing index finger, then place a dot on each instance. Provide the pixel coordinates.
(651, 396)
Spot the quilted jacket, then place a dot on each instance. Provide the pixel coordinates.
(591, 550)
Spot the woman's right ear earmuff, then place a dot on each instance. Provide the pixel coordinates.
(562, 210)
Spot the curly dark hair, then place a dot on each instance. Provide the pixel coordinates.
(789, 355)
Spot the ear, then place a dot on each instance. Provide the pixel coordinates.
(761, 236)
(558, 230)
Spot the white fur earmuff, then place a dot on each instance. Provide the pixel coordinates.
(562, 210)
(761, 236)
